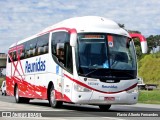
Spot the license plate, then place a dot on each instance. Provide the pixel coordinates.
(109, 98)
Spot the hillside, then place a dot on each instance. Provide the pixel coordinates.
(149, 68)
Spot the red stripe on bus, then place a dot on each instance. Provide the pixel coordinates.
(61, 28)
(84, 85)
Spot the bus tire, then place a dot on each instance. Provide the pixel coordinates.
(16, 95)
(104, 107)
(52, 101)
(25, 100)
(19, 99)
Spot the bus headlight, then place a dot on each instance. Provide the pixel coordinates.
(80, 88)
(134, 90)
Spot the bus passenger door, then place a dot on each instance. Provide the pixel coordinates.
(64, 68)
(60, 82)
(62, 55)
(68, 72)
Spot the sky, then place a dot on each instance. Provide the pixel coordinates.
(20, 19)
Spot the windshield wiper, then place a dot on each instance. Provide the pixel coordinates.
(96, 69)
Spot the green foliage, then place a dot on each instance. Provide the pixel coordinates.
(149, 97)
(137, 44)
(153, 41)
(149, 68)
(138, 51)
(1, 80)
(138, 48)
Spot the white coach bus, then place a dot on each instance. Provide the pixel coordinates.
(83, 60)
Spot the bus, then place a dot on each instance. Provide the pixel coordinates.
(82, 60)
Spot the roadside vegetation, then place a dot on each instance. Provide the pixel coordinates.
(149, 97)
(148, 64)
(149, 69)
(1, 80)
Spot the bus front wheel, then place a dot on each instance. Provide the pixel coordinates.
(52, 100)
(104, 107)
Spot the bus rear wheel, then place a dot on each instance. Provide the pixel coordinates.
(52, 99)
(19, 99)
(104, 107)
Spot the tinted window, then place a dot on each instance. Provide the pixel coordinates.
(10, 57)
(22, 55)
(42, 44)
(31, 48)
(26, 51)
(61, 50)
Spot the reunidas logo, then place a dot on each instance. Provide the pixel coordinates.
(37, 66)
(109, 86)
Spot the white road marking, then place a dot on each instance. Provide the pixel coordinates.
(21, 107)
(112, 118)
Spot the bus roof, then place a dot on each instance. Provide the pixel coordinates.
(84, 24)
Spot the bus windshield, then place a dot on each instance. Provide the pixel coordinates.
(101, 55)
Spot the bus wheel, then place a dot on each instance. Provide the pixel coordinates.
(17, 98)
(20, 99)
(25, 100)
(104, 107)
(53, 102)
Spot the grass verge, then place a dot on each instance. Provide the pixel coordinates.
(149, 97)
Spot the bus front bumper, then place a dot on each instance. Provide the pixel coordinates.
(97, 98)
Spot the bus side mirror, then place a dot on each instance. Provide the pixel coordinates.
(142, 40)
(73, 37)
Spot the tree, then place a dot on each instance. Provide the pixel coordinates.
(137, 44)
(153, 41)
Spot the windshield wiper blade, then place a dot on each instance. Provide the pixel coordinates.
(96, 69)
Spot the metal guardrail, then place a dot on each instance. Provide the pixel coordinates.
(148, 86)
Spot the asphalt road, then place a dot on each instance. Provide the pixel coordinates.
(71, 111)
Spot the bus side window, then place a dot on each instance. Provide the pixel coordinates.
(32, 50)
(45, 49)
(54, 45)
(62, 50)
(22, 54)
(14, 56)
(58, 40)
(40, 50)
(19, 54)
(27, 47)
(10, 57)
(42, 44)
